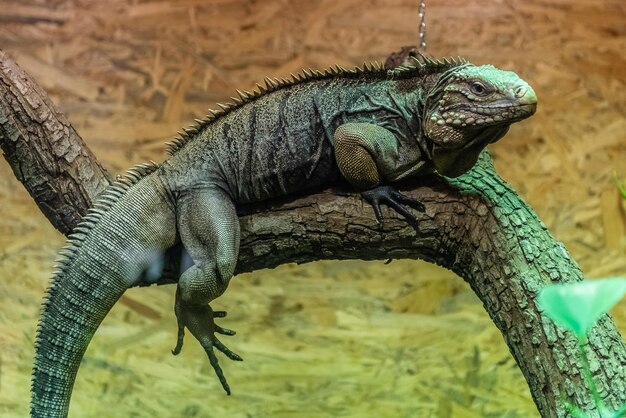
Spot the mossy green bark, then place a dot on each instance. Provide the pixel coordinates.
(477, 226)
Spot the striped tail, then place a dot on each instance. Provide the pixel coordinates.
(90, 278)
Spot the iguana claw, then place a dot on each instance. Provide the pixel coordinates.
(199, 319)
(394, 199)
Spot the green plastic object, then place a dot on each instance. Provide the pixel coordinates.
(577, 306)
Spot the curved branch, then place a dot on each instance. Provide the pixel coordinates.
(475, 225)
(478, 227)
(44, 151)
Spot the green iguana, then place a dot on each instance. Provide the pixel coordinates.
(368, 127)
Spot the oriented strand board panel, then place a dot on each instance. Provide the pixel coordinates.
(345, 339)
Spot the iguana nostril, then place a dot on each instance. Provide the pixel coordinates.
(520, 91)
(525, 95)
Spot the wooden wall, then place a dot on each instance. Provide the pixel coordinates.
(349, 339)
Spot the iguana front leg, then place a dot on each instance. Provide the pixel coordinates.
(209, 230)
(367, 155)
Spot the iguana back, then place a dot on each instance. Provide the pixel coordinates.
(281, 142)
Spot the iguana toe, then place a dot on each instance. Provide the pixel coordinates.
(179, 341)
(395, 200)
(199, 319)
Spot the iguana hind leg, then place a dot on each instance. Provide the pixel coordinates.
(367, 155)
(209, 230)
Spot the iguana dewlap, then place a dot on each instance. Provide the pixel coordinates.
(370, 127)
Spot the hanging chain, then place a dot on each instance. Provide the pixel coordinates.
(422, 26)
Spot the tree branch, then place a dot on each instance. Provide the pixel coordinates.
(475, 225)
(478, 227)
(44, 151)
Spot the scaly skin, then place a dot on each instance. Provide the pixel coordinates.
(369, 127)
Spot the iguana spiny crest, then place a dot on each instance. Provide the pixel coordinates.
(419, 66)
(469, 99)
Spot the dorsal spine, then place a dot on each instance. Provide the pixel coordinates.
(422, 64)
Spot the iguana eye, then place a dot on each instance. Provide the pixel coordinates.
(478, 88)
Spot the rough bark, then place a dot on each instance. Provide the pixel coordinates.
(44, 151)
(478, 227)
(475, 225)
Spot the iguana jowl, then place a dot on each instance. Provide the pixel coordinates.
(371, 127)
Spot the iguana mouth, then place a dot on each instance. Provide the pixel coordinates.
(472, 117)
(493, 110)
(531, 108)
(497, 115)
(520, 112)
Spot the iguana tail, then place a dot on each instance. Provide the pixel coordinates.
(106, 253)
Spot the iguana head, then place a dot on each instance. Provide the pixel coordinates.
(469, 107)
